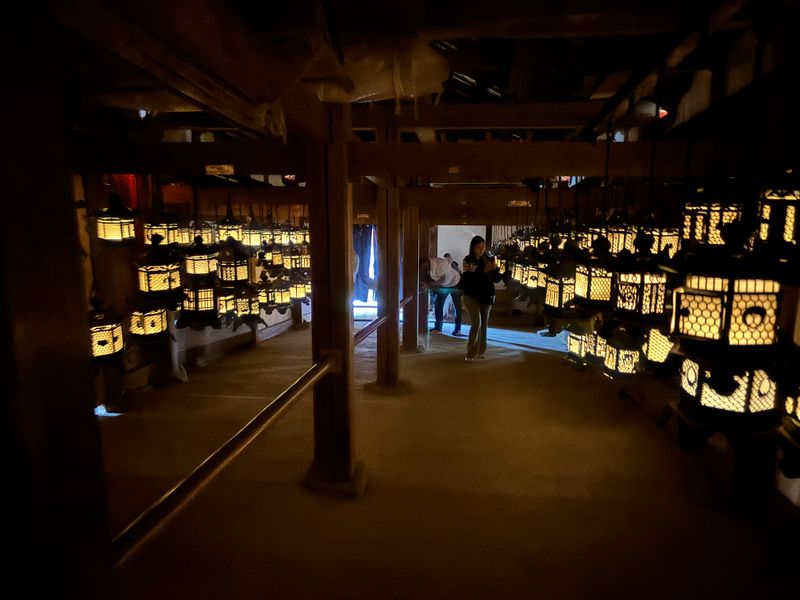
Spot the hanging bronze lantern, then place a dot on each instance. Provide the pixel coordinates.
(657, 346)
(185, 235)
(777, 216)
(105, 331)
(729, 310)
(115, 223)
(560, 288)
(305, 256)
(199, 308)
(720, 394)
(667, 240)
(147, 323)
(206, 230)
(246, 302)
(164, 227)
(592, 284)
(226, 302)
(703, 221)
(200, 259)
(621, 237)
(253, 234)
(621, 353)
(159, 272)
(233, 264)
(595, 348)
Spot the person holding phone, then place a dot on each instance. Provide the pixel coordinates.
(480, 273)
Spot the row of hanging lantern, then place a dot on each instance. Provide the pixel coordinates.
(204, 281)
(715, 306)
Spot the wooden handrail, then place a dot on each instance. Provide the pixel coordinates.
(154, 519)
(364, 332)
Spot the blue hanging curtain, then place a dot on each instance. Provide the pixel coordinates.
(363, 246)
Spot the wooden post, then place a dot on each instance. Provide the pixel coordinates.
(55, 519)
(388, 287)
(424, 299)
(411, 278)
(330, 217)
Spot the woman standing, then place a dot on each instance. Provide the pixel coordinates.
(477, 281)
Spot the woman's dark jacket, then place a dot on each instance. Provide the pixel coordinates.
(476, 283)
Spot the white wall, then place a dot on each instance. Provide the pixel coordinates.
(455, 239)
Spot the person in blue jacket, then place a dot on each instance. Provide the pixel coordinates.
(480, 273)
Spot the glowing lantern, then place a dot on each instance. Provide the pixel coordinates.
(305, 256)
(253, 234)
(233, 264)
(159, 272)
(266, 295)
(560, 288)
(205, 230)
(666, 240)
(576, 346)
(277, 256)
(595, 347)
(226, 302)
(308, 287)
(283, 295)
(592, 284)
(777, 216)
(729, 310)
(639, 292)
(791, 408)
(702, 221)
(621, 237)
(297, 290)
(200, 259)
(657, 346)
(147, 323)
(517, 272)
(621, 354)
(295, 262)
(199, 299)
(105, 331)
(184, 236)
(246, 302)
(714, 391)
(168, 230)
(115, 223)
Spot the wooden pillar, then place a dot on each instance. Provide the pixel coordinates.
(330, 218)
(55, 521)
(411, 278)
(388, 286)
(424, 298)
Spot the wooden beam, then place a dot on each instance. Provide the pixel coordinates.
(388, 349)
(184, 159)
(232, 75)
(334, 469)
(498, 161)
(540, 115)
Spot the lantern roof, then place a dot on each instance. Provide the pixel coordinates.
(116, 208)
(198, 248)
(232, 250)
(160, 254)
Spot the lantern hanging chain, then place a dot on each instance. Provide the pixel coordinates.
(656, 135)
(752, 157)
(605, 174)
(536, 210)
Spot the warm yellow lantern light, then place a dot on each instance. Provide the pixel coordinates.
(657, 346)
(559, 292)
(792, 407)
(184, 235)
(753, 391)
(277, 256)
(207, 231)
(751, 306)
(640, 292)
(576, 346)
(777, 216)
(159, 278)
(105, 331)
(253, 234)
(621, 237)
(115, 223)
(297, 291)
(620, 361)
(226, 302)
(200, 299)
(147, 323)
(702, 221)
(168, 231)
(246, 303)
(592, 283)
(595, 346)
(308, 287)
(665, 239)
